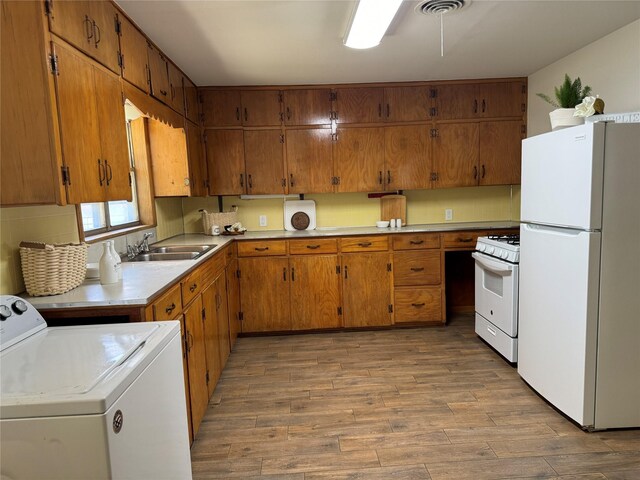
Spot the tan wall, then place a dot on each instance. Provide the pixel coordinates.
(169, 217)
(610, 66)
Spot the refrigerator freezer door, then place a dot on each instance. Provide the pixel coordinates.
(562, 175)
(558, 315)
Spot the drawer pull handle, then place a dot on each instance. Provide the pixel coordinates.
(416, 242)
(491, 331)
(466, 239)
(261, 249)
(417, 305)
(364, 244)
(417, 269)
(170, 308)
(193, 287)
(313, 247)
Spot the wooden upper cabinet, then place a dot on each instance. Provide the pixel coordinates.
(456, 101)
(406, 104)
(176, 89)
(197, 162)
(360, 105)
(455, 155)
(307, 107)
(264, 161)
(504, 99)
(191, 102)
(106, 44)
(169, 160)
(479, 100)
(29, 170)
(407, 157)
(159, 75)
(366, 302)
(134, 56)
(225, 162)
(221, 108)
(261, 108)
(309, 160)
(500, 152)
(358, 159)
(71, 21)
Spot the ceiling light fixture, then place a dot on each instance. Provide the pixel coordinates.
(370, 22)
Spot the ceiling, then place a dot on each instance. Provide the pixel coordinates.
(289, 42)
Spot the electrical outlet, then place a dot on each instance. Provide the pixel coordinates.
(448, 214)
(263, 220)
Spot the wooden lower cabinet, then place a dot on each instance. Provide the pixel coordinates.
(233, 301)
(366, 280)
(222, 317)
(417, 304)
(197, 362)
(211, 336)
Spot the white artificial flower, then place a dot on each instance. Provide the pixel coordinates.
(585, 109)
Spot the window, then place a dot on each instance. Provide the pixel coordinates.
(108, 216)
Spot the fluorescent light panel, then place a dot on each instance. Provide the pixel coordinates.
(370, 22)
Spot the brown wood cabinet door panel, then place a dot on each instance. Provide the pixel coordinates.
(197, 163)
(366, 287)
(455, 155)
(222, 315)
(113, 135)
(307, 107)
(457, 101)
(309, 160)
(504, 99)
(406, 104)
(105, 43)
(71, 20)
(176, 89)
(169, 305)
(261, 108)
(225, 162)
(416, 241)
(160, 86)
(197, 363)
(233, 301)
(221, 108)
(262, 248)
(358, 159)
(264, 293)
(191, 101)
(418, 304)
(135, 61)
(416, 268)
(360, 105)
(315, 292)
(313, 246)
(500, 152)
(211, 334)
(374, 243)
(407, 157)
(264, 161)
(169, 158)
(79, 126)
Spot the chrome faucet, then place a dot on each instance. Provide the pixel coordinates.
(139, 247)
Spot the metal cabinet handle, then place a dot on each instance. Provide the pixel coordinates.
(388, 110)
(250, 181)
(416, 242)
(163, 92)
(483, 172)
(380, 110)
(291, 182)
(237, 113)
(108, 172)
(475, 106)
(466, 239)
(417, 269)
(246, 115)
(189, 341)
(242, 180)
(88, 28)
(193, 287)
(101, 178)
(170, 308)
(418, 305)
(484, 105)
(364, 244)
(97, 36)
(313, 247)
(475, 172)
(346, 271)
(288, 114)
(380, 177)
(284, 274)
(293, 274)
(261, 249)
(388, 177)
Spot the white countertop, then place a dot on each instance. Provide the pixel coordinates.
(142, 281)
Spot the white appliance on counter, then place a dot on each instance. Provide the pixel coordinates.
(496, 292)
(579, 340)
(100, 402)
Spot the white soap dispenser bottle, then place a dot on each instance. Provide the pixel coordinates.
(108, 273)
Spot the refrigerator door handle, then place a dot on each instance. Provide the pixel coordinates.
(499, 268)
(553, 230)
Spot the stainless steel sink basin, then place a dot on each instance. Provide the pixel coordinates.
(158, 257)
(182, 248)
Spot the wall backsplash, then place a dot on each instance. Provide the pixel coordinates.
(169, 217)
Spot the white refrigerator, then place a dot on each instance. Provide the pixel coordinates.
(579, 312)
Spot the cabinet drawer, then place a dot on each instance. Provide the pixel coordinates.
(262, 248)
(416, 268)
(415, 241)
(418, 304)
(465, 240)
(364, 244)
(212, 268)
(169, 305)
(191, 286)
(306, 247)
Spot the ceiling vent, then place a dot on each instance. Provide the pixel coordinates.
(438, 7)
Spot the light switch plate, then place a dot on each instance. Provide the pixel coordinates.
(263, 220)
(448, 214)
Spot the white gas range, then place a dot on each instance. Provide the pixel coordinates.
(496, 292)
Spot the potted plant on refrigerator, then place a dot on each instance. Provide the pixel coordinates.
(568, 95)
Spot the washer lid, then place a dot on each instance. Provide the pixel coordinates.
(75, 370)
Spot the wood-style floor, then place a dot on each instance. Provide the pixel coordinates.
(395, 404)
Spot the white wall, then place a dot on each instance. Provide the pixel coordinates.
(610, 65)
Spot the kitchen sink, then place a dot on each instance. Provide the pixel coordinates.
(182, 248)
(158, 257)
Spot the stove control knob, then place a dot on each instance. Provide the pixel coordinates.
(504, 255)
(19, 307)
(5, 312)
(481, 248)
(490, 250)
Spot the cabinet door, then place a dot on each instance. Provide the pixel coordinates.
(315, 292)
(71, 20)
(261, 108)
(233, 301)
(455, 155)
(197, 164)
(500, 152)
(264, 294)
(360, 105)
(309, 160)
(358, 159)
(307, 107)
(197, 362)
(113, 135)
(457, 101)
(135, 63)
(407, 157)
(79, 126)
(222, 315)
(366, 280)
(160, 87)
(225, 162)
(176, 88)
(169, 160)
(185, 372)
(105, 42)
(406, 104)
(191, 102)
(221, 108)
(264, 161)
(505, 99)
(211, 334)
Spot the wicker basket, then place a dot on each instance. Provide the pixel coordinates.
(52, 269)
(221, 219)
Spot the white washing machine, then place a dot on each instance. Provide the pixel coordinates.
(100, 402)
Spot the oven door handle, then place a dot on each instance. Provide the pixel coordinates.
(501, 268)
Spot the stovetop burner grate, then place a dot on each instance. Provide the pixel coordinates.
(511, 238)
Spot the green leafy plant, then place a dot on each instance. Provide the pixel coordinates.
(569, 94)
